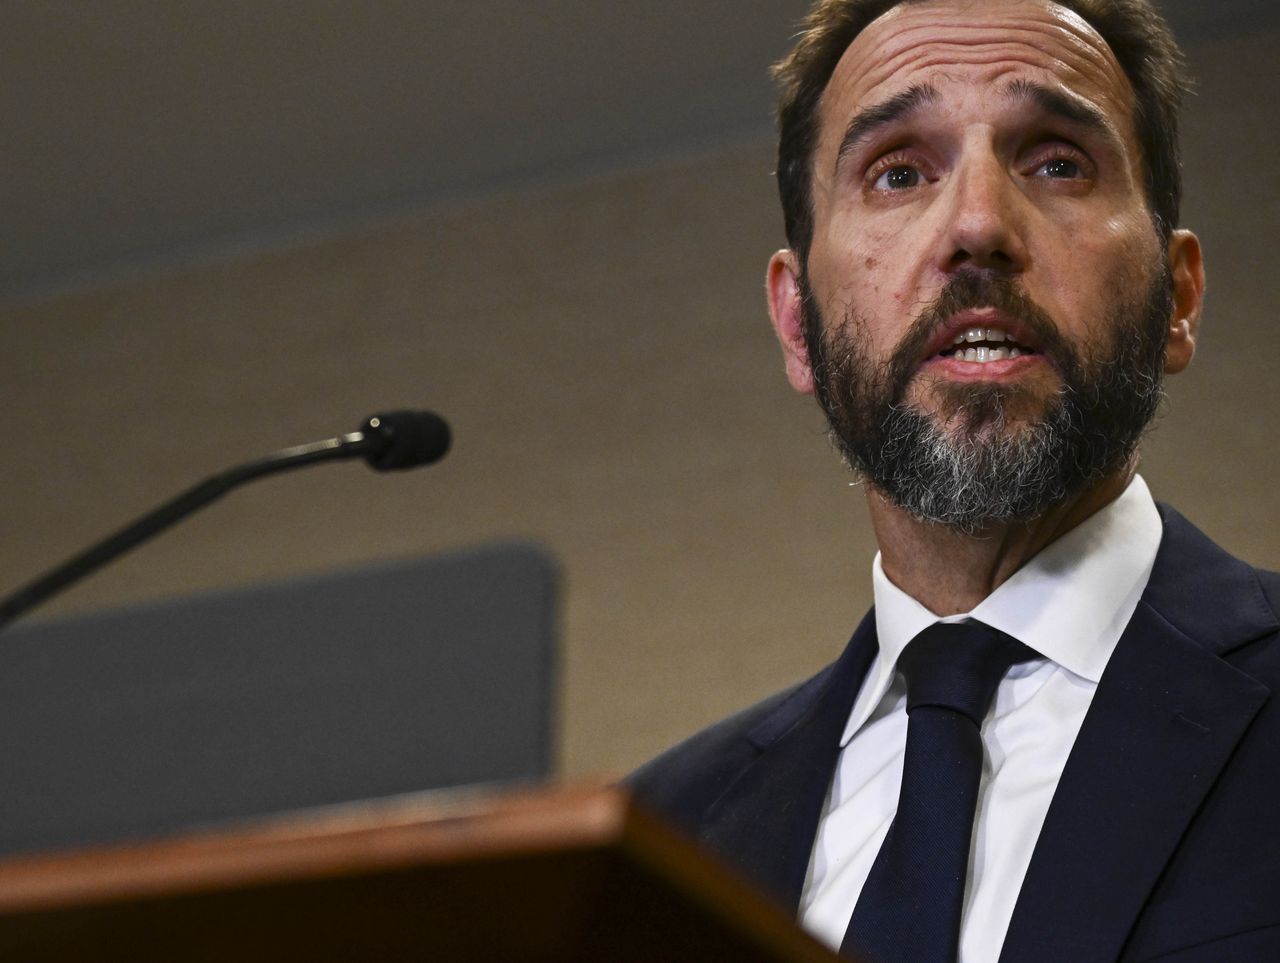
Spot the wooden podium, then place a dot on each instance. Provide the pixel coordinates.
(580, 876)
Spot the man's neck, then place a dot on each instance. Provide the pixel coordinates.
(949, 571)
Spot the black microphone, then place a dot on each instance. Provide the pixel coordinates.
(408, 439)
(393, 441)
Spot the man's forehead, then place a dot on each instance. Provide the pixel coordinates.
(987, 39)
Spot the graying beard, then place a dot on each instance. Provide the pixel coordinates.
(970, 482)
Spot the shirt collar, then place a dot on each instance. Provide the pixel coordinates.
(1070, 603)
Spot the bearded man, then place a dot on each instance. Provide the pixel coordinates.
(1053, 737)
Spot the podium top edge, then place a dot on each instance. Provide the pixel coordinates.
(350, 839)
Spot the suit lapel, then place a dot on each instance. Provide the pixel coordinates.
(767, 818)
(1167, 715)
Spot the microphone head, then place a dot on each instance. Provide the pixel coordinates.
(408, 439)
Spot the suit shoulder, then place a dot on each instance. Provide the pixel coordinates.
(1211, 596)
(685, 780)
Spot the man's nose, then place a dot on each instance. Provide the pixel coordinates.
(984, 219)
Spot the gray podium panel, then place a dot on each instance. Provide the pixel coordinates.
(396, 678)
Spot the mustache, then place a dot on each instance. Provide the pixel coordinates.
(972, 290)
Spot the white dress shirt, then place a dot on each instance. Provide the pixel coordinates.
(1070, 604)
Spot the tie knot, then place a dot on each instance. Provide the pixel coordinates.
(958, 666)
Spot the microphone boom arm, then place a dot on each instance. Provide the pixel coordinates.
(377, 438)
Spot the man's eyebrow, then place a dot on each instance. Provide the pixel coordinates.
(1075, 110)
(871, 119)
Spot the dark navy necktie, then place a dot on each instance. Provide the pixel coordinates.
(909, 909)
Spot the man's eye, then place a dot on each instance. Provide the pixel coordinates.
(1061, 168)
(897, 178)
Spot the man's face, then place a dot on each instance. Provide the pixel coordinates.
(976, 176)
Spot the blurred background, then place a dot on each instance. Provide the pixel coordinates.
(227, 227)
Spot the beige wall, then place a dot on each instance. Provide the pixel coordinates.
(602, 351)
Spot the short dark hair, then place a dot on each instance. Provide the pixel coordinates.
(1135, 31)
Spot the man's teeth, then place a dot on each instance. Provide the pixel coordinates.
(984, 352)
(981, 334)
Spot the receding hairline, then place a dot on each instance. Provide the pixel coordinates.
(1086, 36)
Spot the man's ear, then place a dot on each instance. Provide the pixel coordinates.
(1186, 267)
(782, 285)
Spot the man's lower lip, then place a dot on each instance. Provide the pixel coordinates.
(982, 370)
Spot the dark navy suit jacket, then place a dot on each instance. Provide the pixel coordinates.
(1163, 839)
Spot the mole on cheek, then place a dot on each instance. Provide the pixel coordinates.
(871, 263)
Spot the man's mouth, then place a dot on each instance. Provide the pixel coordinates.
(982, 345)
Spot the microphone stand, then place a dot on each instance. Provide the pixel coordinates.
(376, 442)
